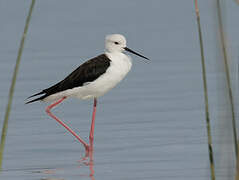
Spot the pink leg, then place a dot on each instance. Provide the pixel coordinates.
(63, 124)
(91, 137)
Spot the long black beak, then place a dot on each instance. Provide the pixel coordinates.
(129, 50)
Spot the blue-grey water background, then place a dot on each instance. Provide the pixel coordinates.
(152, 125)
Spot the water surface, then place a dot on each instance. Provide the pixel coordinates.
(151, 126)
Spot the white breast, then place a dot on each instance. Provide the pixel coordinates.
(120, 65)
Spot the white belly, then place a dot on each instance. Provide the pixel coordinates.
(120, 65)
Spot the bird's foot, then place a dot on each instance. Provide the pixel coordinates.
(89, 148)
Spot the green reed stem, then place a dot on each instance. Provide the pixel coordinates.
(225, 57)
(237, 168)
(11, 90)
(209, 136)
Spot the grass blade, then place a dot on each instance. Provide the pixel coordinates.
(210, 149)
(11, 91)
(227, 71)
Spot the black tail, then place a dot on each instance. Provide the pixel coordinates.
(36, 94)
(37, 99)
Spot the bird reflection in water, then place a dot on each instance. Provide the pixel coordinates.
(88, 160)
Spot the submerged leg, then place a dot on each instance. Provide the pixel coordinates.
(48, 111)
(91, 137)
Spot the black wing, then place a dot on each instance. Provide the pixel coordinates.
(87, 72)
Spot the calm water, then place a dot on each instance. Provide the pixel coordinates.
(152, 125)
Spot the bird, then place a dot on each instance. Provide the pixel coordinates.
(91, 80)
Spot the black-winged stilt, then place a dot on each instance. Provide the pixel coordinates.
(91, 80)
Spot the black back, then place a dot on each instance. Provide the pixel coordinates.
(87, 72)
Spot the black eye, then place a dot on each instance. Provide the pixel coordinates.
(116, 43)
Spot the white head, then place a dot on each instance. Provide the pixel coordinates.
(115, 43)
